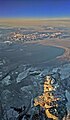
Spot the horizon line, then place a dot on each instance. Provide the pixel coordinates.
(35, 18)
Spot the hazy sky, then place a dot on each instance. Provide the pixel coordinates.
(35, 8)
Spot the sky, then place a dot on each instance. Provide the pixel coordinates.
(34, 8)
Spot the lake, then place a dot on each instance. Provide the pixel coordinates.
(29, 53)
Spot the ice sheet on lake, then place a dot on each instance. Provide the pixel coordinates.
(65, 71)
(6, 80)
(1, 63)
(22, 75)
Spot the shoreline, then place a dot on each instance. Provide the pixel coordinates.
(59, 60)
(65, 55)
